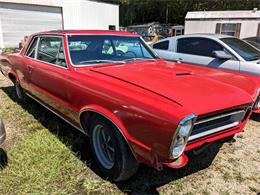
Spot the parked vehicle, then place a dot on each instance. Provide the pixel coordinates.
(255, 41)
(135, 107)
(213, 50)
(2, 132)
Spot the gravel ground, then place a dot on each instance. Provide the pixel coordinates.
(223, 168)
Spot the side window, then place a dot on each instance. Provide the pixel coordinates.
(50, 50)
(198, 46)
(78, 45)
(31, 51)
(164, 45)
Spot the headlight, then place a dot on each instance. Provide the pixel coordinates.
(185, 128)
(181, 136)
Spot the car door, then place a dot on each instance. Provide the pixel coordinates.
(252, 68)
(26, 60)
(48, 74)
(197, 50)
(162, 48)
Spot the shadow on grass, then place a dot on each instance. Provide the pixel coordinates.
(3, 159)
(147, 179)
(255, 117)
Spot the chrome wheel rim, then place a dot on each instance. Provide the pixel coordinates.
(103, 146)
(18, 91)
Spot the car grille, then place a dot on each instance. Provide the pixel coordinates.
(214, 124)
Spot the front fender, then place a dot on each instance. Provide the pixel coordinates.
(140, 151)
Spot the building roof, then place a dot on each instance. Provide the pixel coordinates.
(240, 14)
(89, 32)
(55, 3)
(52, 3)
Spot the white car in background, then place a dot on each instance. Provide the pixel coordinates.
(212, 50)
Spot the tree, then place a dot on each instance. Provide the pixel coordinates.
(174, 11)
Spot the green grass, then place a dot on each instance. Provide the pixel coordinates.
(41, 164)
(40, 160)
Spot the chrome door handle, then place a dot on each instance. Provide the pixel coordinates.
(180, 60)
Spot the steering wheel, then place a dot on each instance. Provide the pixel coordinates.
(130, 54)
(119, 53)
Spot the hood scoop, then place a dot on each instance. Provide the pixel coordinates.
(183, 74)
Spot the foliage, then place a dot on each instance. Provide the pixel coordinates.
(174, 11)
(9, 50)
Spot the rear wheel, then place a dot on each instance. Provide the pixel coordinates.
(111, 152)
(20, 92)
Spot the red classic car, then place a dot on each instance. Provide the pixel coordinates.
(135, 107)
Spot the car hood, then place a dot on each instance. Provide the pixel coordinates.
(200, 90)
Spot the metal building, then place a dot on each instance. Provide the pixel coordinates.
(240, 24)
(19, 18)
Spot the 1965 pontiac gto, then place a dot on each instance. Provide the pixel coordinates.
(135, 107)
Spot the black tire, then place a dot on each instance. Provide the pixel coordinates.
(21, 96)
(231, 139)
(124, 163)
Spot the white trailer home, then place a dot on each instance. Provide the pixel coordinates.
(240, 24)
(19, 18)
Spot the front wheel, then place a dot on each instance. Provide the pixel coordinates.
(20, 92)
(111, 152)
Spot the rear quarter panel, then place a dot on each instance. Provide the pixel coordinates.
(15, 64)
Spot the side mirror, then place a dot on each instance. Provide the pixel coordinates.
(2, 132)
(221, 55)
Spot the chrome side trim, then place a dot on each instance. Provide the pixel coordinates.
(81, 130)
(213, 131)
(217, 117)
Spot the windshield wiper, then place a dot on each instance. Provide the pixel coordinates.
(135, 59)
(99, 61)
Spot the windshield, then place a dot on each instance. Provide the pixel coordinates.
(245, 50)
(257, 45)
(94, 49)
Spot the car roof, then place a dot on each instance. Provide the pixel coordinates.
(203, 35)
(87, 32)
